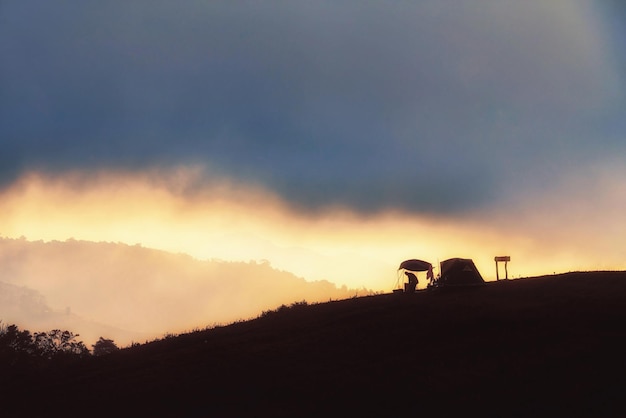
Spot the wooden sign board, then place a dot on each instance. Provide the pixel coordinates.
(504, 258)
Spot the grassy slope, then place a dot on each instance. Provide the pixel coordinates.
(533, 347)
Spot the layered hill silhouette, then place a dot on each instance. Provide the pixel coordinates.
(28, 308)
(133, 293)
(535, 347)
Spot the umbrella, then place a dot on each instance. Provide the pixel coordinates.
(415, 265)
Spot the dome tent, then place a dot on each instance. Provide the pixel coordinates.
(459, 272)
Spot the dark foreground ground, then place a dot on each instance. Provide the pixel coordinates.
(550, 346)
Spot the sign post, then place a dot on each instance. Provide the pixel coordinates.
(505, 259)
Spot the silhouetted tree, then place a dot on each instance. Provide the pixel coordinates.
(104, 346)
(57, 343)
(11, 338)
(21, 348)
(17, 348)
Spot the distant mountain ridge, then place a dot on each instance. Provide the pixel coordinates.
(27, 308)
(144, 291)
(16, 300)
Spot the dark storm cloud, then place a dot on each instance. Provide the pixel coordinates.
(419, 105)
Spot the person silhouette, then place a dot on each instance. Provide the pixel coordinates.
(430, 276)
(412, 281)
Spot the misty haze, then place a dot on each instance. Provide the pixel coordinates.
(134, 294)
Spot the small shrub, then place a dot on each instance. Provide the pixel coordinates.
(104, 346)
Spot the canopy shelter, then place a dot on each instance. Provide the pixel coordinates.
(415, 265)
(410, 267)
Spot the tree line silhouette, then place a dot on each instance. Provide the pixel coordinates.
(23, 348)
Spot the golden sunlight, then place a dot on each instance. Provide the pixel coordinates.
(235, 222)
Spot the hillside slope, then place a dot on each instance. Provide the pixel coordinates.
(547, 346)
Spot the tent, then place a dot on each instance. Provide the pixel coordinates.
(459, 272)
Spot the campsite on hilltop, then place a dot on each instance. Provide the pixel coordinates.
(542, 346)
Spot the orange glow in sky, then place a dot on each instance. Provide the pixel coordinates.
(236, 222)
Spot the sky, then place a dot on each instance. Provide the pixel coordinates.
(331, 139)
